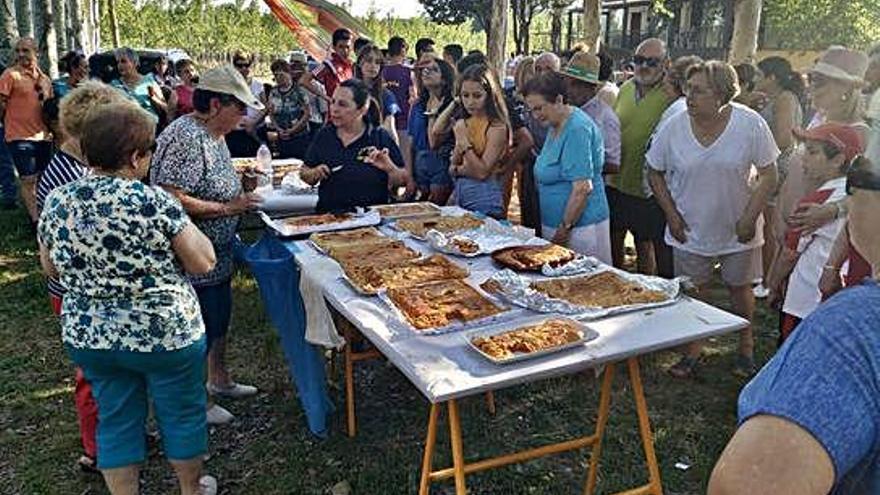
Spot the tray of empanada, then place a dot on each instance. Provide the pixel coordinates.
(515, 341)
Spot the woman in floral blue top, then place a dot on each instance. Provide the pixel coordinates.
(130, 319)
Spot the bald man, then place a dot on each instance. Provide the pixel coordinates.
(23, 89)
(639, 106)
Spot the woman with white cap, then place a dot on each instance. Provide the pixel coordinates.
(193, 163)
(835, 90)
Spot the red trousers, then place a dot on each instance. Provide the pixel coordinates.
(86, 408)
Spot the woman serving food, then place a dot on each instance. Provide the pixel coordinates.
(355, 162)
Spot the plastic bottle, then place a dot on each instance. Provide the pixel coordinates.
(264, 158)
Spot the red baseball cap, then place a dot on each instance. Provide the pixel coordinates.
(844, 137)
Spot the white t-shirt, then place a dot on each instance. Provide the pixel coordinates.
(710, 185)
(803, 296)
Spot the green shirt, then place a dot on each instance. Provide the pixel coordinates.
(637, 121)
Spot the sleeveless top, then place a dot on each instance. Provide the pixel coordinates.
(482, 196)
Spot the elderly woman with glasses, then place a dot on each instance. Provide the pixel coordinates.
(193, 164)
(700, 163)
(141, 89)
(130, 319)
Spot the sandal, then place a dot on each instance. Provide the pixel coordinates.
(685, 367)
(88, 464)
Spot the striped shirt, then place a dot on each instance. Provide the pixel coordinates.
(63, 168)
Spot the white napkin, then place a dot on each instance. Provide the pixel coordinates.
(320, 329)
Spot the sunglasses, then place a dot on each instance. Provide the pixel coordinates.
(647, 61)
(860, 176)
(240, 65)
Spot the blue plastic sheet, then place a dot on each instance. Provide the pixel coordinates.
(272, 263)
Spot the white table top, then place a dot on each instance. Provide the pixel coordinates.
(443, 366)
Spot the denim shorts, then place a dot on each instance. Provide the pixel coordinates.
(215, 302)
(124, 383)
(30, 157)
(430, 169)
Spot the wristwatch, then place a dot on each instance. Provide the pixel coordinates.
(566, 225)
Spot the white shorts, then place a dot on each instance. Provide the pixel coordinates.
(737, 269)
(591, 240)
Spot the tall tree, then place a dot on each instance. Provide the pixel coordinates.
(557, 12)
(10, 28)
(59, 18)
(78, 36)
(522, 14)
(746, 20)
(459, 11)
(592, 27)
(816, 24)
(24, 15)
(114, 22)
(496, 51)
(46, 39)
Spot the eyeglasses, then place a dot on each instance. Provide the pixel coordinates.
(651, 62)
(860, 176)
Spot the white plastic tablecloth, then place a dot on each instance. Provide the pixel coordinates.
(444, 367)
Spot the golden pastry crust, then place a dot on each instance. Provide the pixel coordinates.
(419, 227)
(372, 278)
(602, 290)
(465, 246)
(526, 340)
(407, 210)
(532, 258)
(438, 304)
(385, 252)
(316, 220)
(280, 171)
(329, 240)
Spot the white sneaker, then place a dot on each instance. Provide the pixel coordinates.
(207, 485)
(232, 391)
(760, 291)
(217, 415)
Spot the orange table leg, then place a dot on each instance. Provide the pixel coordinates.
(349, 389)
(490, 402)
(457, 450)
(655, 487)
(601, 421)
(430, 442)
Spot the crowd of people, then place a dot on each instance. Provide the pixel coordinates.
(755, 169)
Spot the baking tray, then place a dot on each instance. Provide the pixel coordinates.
(424, 238)
(587, 335)
(516, 289)
(490, 237)
(430, 210)
(399, 319)
(359, 220)
(360, 290)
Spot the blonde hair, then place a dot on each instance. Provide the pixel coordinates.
(721, 77)
(113, 132)
(75, 107)
(525, 70)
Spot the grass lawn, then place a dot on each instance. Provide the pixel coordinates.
(269, 451)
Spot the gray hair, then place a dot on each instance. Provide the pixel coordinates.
(653, 41)
(128, 53)
(550, 58)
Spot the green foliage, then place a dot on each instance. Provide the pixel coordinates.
(384, 28)
(199, 26)
(802, 24)
(458, 11)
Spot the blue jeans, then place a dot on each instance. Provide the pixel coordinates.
(123, 382)
(8, 186)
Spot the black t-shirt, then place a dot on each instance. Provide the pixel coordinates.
(356, 183)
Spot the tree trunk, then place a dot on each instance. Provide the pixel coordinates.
(556, 27)
(78, 36)
(10, 29)
(114, 22)
(495, 46)
(47, 41)
(516, 16)
(746, 20)
(24, 15)
(59, 13)
(592, 27)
